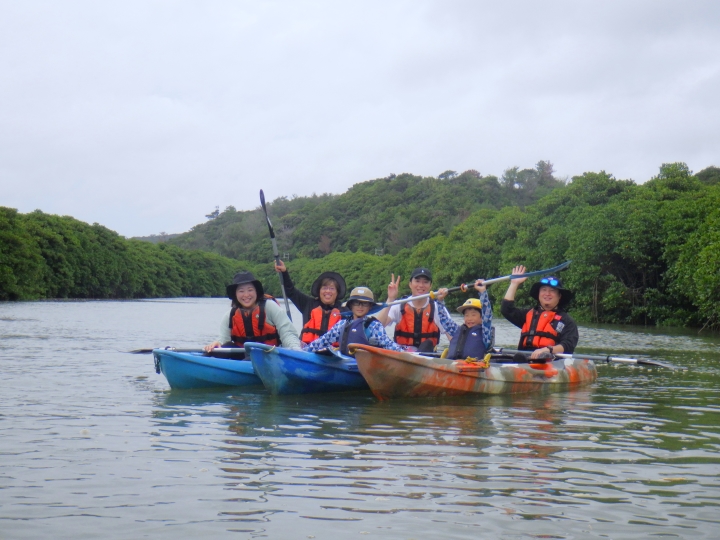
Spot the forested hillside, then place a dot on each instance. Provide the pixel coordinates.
(388, 214)
(46, 256)
(642, 254)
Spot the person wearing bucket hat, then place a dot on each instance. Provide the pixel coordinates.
(254, 317)
(473, 338)
(360, 328)
(545, 328)
(321, 310)
(418, 323)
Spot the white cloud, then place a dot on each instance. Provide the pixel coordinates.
(143, 116)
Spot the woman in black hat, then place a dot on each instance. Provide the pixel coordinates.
(546, 327)
(321, 310)
(253, 318)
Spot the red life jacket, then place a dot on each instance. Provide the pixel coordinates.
(321, 320)
(252, 327)
(538, 332)
(417, 326)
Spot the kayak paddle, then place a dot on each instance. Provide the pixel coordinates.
(465, 286)
(275, 252)
(599, 358)
(220, 351)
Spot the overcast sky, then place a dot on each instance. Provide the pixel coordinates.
(143, 116)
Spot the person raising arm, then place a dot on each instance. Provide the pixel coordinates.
(321, 309)
(418, 322)
(546, 327)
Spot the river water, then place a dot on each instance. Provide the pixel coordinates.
(93, 444)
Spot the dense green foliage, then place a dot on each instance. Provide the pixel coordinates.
(380, 214)
(46, 256)
(642, 254)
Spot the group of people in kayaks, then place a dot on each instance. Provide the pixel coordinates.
(545, 328)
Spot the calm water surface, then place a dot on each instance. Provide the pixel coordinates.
(93, 444)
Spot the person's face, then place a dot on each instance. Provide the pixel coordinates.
(549, 297)
(360, 308)
(246, 295)
(328, 293)
(420, 285)
(472, 317)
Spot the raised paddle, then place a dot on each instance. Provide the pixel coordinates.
(599, 358)
(275, 252)
(464, 287)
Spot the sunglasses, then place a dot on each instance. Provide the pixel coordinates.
(550, 281)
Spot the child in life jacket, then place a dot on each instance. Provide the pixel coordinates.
(359, 328)
(473, 338)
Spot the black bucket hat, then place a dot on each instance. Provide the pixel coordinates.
(566, 295)
(342, 287)
(240, 279)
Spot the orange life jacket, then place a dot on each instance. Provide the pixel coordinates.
(321, 320)
(252, 327)
(417, 326)
(538, 332)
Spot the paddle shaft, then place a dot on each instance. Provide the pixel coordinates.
(221, 351)
(600, 358)
(235, 354)
(276, 253)
(465, 286)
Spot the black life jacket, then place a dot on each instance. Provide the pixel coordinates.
(467, 342)
(354, 332)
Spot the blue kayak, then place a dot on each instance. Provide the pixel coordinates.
(284, 371)
(196, 370)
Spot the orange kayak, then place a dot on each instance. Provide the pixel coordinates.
(392, 374)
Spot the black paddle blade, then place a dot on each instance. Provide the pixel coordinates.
(267, 218)
(658, 363)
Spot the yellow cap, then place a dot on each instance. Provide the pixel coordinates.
(471, 303)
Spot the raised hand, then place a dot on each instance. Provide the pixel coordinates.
(515, 283)
(518, 270)
(280, 266)
(393, 288)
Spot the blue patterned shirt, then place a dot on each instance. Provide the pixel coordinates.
(375, 333)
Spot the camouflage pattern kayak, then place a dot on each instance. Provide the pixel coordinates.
(393, 374)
